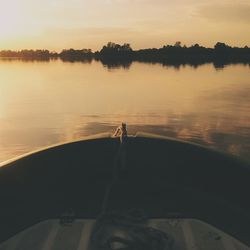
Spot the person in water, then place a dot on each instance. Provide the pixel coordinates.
(121, 132)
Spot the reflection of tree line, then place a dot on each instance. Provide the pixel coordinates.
(116, 55)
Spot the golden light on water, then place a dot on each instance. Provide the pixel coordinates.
(45, 103)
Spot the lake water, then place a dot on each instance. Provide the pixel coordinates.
(43, 103)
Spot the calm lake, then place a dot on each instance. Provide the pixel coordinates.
(43, 103)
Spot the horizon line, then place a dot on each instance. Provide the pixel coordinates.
(83, 48)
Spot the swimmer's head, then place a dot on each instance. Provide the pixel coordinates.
(124, 125)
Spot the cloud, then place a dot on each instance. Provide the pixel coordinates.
(226, 12)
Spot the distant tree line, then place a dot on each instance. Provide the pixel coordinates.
(220, 50)
(113, 53)
(27, 53)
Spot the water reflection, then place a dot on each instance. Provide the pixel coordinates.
(126, 63)
(73, 60)
(47, 103)
(23, 59)
(177, 64)
(215, 133)
(115, 64)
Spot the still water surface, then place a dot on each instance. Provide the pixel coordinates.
(43, 103)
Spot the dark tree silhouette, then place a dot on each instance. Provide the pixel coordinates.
(177, 44)
(221, 46)
(72, 54)
(115, 55)
(115, 50)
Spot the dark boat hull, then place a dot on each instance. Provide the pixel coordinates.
(165, 178)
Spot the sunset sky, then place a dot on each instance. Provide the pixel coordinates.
(58, 24)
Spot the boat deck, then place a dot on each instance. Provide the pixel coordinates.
(183, 234)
